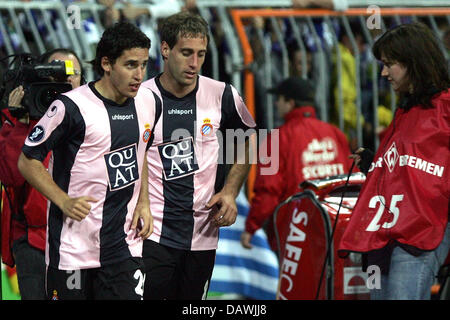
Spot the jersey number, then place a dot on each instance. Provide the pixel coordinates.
(138, 275)
(374, 224)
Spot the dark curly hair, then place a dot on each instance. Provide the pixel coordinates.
(115, 40)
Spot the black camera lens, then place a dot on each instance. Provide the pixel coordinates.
(44, 98)
(41, 95)
(38, 81)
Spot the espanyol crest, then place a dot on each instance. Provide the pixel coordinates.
(147, 133)
(207, 128)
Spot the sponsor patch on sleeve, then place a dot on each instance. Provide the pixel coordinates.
(37, 134)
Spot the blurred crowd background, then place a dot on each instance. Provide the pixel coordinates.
(286, 38)
(254, 45)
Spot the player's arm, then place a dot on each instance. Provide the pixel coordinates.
(38, 177)
(226, 198)
(142, 217)
(235, 116)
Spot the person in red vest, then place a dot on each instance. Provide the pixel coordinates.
(401, 217)
(307, 149)
(24, 211)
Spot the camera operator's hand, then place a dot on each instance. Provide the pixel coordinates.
(15, 100)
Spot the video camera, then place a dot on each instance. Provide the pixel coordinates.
(42, 83)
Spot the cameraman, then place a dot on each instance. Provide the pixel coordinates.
(24, 208)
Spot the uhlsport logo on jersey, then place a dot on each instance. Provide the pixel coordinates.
(178, 158)
(122, 167)
(391, 156)
(36, 134)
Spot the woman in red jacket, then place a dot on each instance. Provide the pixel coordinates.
(401, 218)
(24, 217)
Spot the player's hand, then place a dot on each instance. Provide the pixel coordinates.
(226, 204)
(142, 221)
(246, 237)
(78, 208)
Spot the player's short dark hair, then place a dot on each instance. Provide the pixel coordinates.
(115, 40)
(183, 24)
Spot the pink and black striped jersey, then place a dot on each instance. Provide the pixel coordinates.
(98, 150)
(187, 161)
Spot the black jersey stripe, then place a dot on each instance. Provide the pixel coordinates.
(124, 133)
(230, 120)
(64, 158)
(178, 218)
(158, 112)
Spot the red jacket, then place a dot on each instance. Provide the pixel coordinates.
(405, 197)
(308, 149)
(23, 197)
